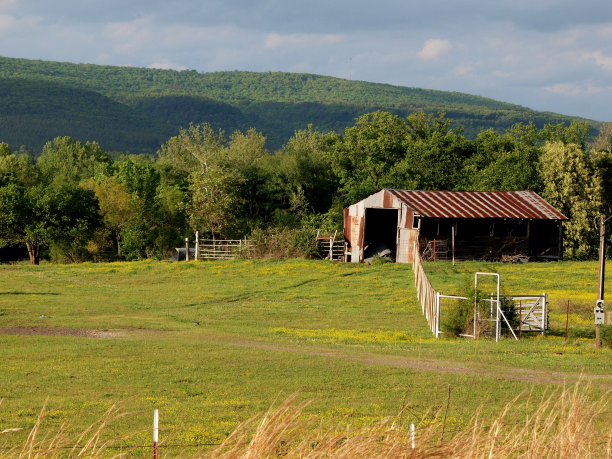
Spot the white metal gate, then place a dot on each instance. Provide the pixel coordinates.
(531, 312)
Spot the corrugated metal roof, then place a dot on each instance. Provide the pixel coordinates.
(478, 204)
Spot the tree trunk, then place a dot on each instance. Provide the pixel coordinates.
(118, 237)
(33, 253)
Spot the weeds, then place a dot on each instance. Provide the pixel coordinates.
(566, 422)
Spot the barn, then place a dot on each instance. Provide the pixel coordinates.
(489, 225)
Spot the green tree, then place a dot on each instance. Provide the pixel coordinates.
(434, 155)
(215, 202)
(117, 206)
(245, 157)
(64, 159)
(16, 168)
(38, 216)
(369, 150)
(140, 176)
(504, 162)
(576, 133)
(571, 185)
(170, 220)
(199, 154)
(301, 175)
(225, 179)
(196, 148)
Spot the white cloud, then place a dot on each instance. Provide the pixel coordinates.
(275, 40)
(600, 59)
(574, 90)
(605, 31)
(130, 36)
(165, 64)
(463, 70)
(8, 5)
(10, 23)
(564, 89)
(434, 49)
(500, 74)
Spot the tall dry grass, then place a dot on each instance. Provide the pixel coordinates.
(570, 422)
(42, 443)
(565, 423)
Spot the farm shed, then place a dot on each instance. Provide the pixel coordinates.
(488, 225)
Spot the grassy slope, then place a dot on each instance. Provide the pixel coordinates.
(211, 344)
(275, 103)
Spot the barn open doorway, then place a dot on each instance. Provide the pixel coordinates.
(380, 232)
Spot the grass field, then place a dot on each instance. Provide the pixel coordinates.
(212, 344)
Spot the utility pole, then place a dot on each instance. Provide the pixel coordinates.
(599, 307)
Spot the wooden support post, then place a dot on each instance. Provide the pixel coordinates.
(186, 249)
(602, 270)
(453, 242)
(520, 318)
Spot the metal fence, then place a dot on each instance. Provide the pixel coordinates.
(224, 249)
(530, 312)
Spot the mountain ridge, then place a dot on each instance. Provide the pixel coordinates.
(153, 104)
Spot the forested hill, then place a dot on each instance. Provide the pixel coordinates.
(137, 109)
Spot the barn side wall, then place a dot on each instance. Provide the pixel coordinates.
(354, 221)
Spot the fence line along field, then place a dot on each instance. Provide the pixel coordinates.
(211, 344)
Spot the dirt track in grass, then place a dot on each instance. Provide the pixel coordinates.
(62, 331)
(425, 364)
(365, 358)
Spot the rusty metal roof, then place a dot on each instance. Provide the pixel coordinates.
(478, 204)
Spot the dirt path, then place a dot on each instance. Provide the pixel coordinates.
(425, 364)
(63, 331)
(365, 358)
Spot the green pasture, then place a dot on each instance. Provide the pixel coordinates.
(210, 344)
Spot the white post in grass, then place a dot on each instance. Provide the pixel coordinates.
(155, 432)
(412, 434)
(437, 331)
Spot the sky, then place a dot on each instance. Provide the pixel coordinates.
(552, 55)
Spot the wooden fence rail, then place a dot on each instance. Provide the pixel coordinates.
(427, 295)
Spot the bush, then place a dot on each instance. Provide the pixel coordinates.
(279, 242)
(459, 319)
(456, 320)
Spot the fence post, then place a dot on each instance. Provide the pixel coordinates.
(155, 432)
(437, 314)
(520, 318)
(545, 313)
(197, 246)
(186, 249)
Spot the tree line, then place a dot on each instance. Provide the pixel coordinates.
(75, 202)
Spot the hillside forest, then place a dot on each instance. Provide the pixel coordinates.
(139, 109)
(73, 201)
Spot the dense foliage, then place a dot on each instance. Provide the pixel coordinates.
(73, 201)
(138, 109)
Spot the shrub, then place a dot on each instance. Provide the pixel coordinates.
(282, 242)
